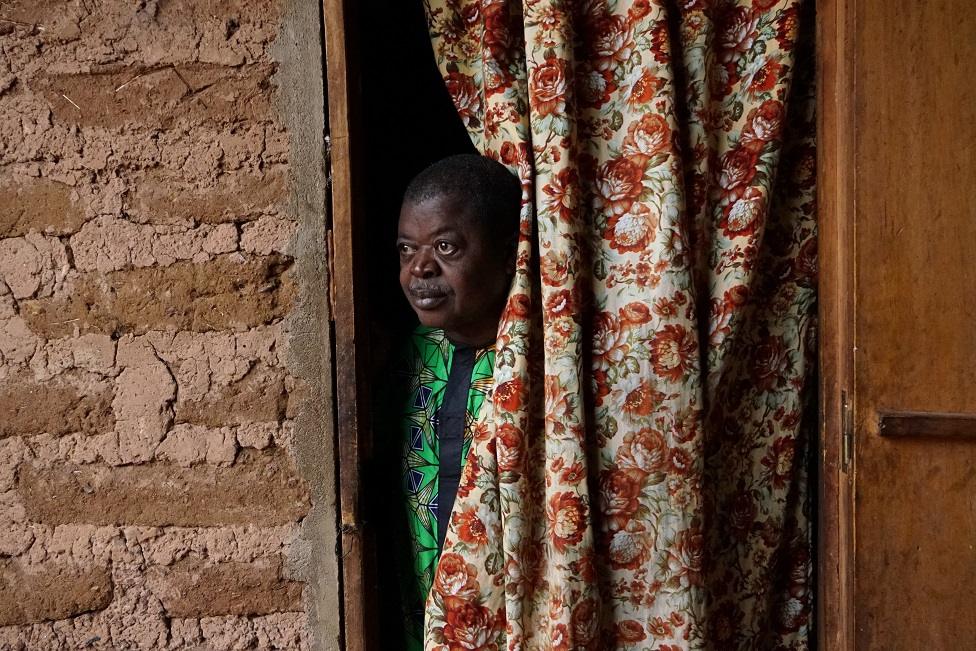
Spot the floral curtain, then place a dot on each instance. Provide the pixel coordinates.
(641, 480)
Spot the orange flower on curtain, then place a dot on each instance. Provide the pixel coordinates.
(644, 482)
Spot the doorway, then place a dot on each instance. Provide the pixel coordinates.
(391, 153)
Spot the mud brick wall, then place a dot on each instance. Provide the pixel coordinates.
(165, 448)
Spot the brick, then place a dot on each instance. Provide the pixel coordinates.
(241, 10)
(20, 267)
(36, 594)
(274, 631)
(256, 435)
(93, 352)
(267, 235)
(17, 343)
(106, 244)
(143, 395)
(34, 11)
(157, 98)
(164, 198)
(191, 444)
(261, 489)
(57, 18)
(33, 265)
(45, 11)
(258, 396)
(195, 588)
(64, 411)
(38, 204)
(220, 239)
(228, 293)
(181, 21)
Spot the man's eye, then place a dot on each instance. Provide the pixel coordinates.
(404, 249)
(445, 248)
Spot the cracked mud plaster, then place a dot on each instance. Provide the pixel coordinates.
(148, 283)
(33, 265)
(144, 395)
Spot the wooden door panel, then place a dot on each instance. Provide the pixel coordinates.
(915, 585)
(914, 324)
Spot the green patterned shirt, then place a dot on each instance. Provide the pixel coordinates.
(425, 370)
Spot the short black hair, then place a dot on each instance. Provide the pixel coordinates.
(492, 193)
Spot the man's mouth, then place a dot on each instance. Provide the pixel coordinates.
(427, 298)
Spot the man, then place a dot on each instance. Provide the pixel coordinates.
(457, 238)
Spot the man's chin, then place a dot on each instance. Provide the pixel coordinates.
(430, 318)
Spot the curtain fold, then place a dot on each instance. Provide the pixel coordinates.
(641, 478)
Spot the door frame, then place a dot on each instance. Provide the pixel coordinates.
(835, 33)
(348, 307)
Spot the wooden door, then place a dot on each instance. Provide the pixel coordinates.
(898, 282)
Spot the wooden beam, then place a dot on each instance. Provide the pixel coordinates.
(835, 200)
(349, 316)
(926, 424)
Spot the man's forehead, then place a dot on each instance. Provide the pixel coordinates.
(436, 230)
(445, 211)
(439, 201)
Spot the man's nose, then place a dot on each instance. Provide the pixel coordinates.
(423, 264)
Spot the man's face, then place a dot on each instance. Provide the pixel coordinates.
(453, 276)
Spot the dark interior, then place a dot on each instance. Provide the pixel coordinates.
(409, 122)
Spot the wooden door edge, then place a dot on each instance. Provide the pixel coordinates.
(348, 301)
(835, 200)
